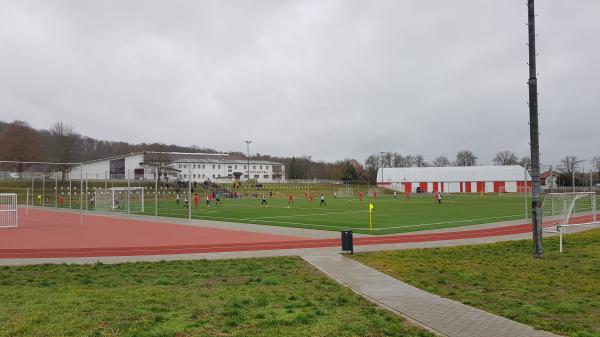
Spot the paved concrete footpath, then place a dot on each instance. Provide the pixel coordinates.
(439, 315)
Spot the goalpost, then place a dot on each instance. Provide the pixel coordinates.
(563, 210)
(119, 199)
(8, 210)
(345, 192)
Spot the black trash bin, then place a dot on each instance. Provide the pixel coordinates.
(347, 245)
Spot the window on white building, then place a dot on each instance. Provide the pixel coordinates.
(219, 167)
(256, 176)
(179, 166)
(266, 176)
(213, 168)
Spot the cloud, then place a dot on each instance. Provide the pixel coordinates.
(333, 79)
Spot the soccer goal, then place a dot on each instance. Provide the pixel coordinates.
(120, 199)
(375, 191)
(345, 192)
(8, 210)
(563, 210)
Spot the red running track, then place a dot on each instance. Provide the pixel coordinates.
(52, 234)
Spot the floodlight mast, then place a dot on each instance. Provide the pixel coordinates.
(382, 164)
(248, 142)
(536, 202)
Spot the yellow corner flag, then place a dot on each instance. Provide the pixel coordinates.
(371, 215)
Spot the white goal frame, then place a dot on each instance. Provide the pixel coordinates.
(345, 192)
(9, 217)
(105, 199)
(559, 208)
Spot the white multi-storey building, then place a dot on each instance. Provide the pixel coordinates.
(175, 166)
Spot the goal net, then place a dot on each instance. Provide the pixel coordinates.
(375, 191)
(8, 210)
(566, 209)
(120, 199)
(345, 192)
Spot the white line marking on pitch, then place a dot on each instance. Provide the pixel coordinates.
(301, 215)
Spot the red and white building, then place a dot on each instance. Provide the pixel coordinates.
(456, 179)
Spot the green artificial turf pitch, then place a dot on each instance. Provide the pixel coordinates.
(390, 215)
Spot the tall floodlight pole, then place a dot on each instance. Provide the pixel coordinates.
(382, 158)
(248, 142)
(536, 202)
(156, 173)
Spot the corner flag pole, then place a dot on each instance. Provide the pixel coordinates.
(371, 216)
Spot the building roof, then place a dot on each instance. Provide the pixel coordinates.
(193, 157)
(547, 174)
(453, 173)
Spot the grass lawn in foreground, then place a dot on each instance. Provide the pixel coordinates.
(389, 216)
(249, 297)
(559, 293)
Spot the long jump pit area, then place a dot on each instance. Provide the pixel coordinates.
(47, 234)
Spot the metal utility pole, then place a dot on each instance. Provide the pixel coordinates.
(382, 158)
(248, 142)
(536, 202)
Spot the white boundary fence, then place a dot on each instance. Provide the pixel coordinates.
(8, 210)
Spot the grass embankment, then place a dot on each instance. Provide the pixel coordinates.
(559, 293)
(250, 297)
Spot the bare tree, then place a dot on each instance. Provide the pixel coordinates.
(441, 161)
(409, 161)
(387, 159)
(596, 164)
(372, 165)
(19, 143)
(525, 162)
(158, 161)
(65, 145)
(398, 160)
(420, 161)
(506, 158)
(568, 164)
(466, 158)
(305, 163)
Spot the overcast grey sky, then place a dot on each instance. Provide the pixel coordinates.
(332, 79)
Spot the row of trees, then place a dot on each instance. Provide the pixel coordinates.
(61, 144)
(21, 142)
